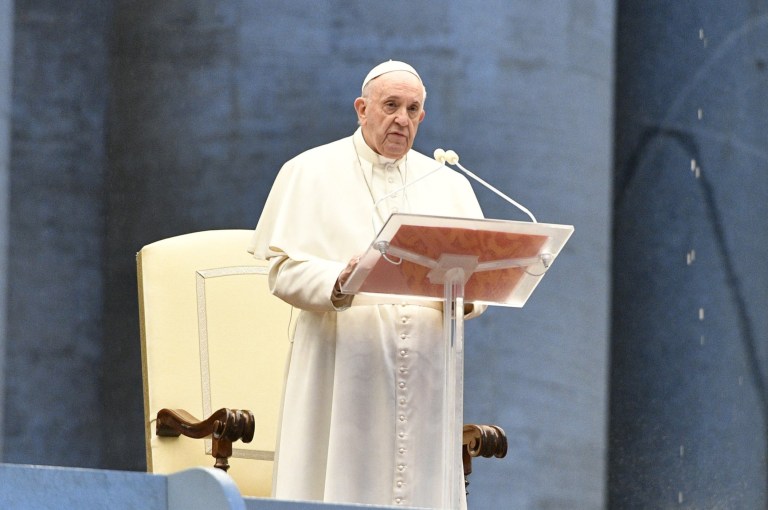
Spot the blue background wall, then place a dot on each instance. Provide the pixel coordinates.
(135, 121)
(688, 385)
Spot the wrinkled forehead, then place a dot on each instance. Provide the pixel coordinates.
(397, 84)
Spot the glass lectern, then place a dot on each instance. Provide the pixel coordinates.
(457, 261)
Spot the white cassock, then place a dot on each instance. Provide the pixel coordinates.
(362, 407)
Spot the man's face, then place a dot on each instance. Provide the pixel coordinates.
(392, 112)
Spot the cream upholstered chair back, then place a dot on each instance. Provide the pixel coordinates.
(212, 336)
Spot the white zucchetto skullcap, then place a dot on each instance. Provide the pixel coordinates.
(388, 67)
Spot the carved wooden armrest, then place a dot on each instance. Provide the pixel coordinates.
(224, 426)
(481, 441)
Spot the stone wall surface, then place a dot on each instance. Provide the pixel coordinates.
(689, 396)
(6, 66)
(56, 227)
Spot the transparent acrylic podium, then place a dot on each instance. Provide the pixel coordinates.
(457, 261)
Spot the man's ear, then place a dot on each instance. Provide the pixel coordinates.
(360, 107)
(421, 117)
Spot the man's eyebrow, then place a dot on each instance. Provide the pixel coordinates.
(400, 98)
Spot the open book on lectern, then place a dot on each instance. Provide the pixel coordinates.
(501, 261)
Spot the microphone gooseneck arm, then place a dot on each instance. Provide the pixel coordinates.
(451, 158)
(401, 188)
(398, 190)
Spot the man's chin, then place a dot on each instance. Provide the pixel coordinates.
(396, 151)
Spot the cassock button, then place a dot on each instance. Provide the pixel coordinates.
(402, 336)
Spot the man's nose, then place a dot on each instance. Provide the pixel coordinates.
(402, 117)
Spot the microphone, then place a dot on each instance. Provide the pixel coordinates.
(450, 157)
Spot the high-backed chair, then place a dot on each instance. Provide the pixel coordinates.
(213, 336)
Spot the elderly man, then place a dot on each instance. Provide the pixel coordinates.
(363, 393)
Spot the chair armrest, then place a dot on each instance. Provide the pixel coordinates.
(224, 427)
(481, 441)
